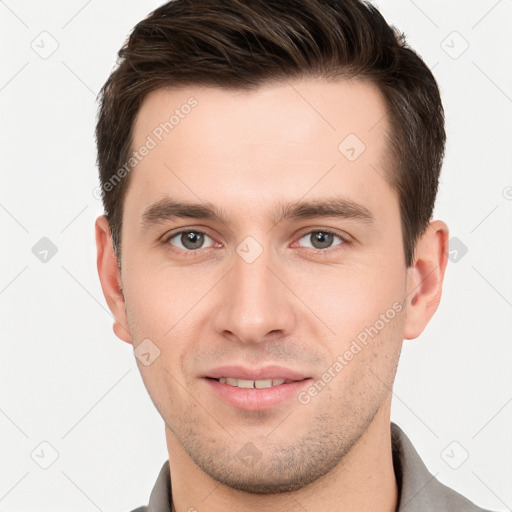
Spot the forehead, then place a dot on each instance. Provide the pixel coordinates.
(304, 107)
(290, 139)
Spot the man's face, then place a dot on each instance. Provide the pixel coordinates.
(261, 295)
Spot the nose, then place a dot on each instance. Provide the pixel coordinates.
(254, 301)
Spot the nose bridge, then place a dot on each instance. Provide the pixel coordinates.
(254, 301)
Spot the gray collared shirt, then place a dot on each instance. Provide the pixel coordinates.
(419, 491)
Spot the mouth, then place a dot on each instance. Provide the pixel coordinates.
(255, 389)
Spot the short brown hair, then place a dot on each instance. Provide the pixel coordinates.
(245, 44)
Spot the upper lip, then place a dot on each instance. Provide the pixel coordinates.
(262, 373)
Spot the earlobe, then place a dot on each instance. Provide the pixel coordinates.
(110, 278)
(425, 278)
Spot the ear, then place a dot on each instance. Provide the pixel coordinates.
(110, 278)
(425, 278)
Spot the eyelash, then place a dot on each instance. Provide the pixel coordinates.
(321, 252)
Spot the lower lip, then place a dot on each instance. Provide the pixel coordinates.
(254, 399)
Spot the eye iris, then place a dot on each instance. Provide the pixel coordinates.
(324, 239)
(192, 239)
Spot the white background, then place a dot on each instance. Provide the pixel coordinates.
(65, 379)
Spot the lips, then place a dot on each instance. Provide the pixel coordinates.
(255, 389)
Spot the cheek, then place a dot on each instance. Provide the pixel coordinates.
(349, 299)
(166, 306)
(160, 297)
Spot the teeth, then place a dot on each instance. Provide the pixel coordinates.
(260, 384)
(250, 384)
(242, 383)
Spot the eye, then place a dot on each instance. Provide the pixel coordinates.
(189, 240)
(192, 240)
(322, 239)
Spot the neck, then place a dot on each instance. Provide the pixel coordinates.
(363, 480)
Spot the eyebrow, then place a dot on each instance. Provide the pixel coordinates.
(169, 209)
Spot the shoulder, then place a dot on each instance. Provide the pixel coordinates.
(160, 499)
(419, 489)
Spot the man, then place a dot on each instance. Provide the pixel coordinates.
(269, 171)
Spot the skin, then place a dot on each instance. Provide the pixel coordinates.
(243, 152)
